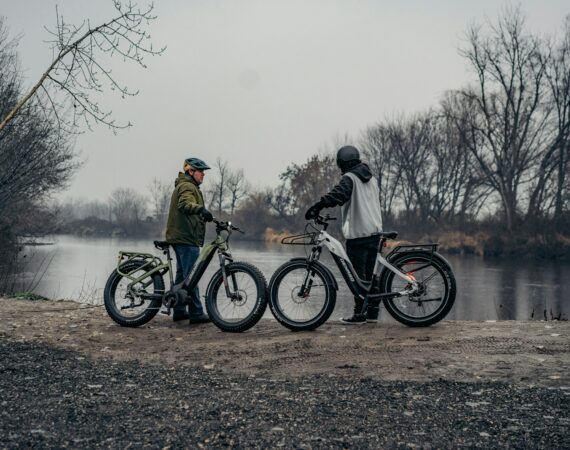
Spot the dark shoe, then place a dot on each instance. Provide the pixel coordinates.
(200, 319)
(372, 314)
(177, 316)
(356, 319)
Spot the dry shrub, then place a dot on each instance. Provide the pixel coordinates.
(272, 235)
(459, 242)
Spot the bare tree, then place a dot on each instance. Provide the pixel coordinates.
(378, 150)
(237, 188)
(307, 182)
(510, 120)
(279, 201)
(36, 157)
(411, 142)
(558, 81)
(77, 71)
(160, 193)
(253, 215)
(128, 207)
(468, 187)
(218, 189)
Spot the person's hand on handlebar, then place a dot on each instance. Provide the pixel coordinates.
(205, 215)
(313, 211)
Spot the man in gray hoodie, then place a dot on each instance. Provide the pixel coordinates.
(358, 196)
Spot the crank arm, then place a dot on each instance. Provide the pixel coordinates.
(427, 300)
(151, 296)
(132, 306)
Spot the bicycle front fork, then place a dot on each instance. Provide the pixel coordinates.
(231, 294)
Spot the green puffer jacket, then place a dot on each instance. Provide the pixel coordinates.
(184, 225)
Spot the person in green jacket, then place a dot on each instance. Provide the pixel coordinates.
(185, 230)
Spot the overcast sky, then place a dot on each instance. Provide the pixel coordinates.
(263, 83)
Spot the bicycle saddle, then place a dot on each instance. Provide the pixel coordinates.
(387, 234)
(161, 245)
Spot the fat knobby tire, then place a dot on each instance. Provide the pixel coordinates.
(444, 269)
(217, 282)
(109, 297)
(330, 296)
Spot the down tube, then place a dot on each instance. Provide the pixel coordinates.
(200, 266)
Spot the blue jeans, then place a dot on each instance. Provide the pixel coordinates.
(186, 256)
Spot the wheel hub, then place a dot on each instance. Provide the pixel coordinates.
(239, 298)
(299, 299)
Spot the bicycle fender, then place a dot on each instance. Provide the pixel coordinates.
(394, 259)
(325, 269)
(394, 256)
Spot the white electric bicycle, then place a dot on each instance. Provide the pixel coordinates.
(415, 282)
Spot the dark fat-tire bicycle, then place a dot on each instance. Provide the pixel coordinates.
(236, 296)
(415, 282)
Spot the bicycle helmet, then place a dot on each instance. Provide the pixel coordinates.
(347, 156)
(196, 164)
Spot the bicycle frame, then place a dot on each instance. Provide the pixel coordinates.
(204, 258)
(358, 287)
(154, 264)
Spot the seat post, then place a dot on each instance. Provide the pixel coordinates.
(381, 244)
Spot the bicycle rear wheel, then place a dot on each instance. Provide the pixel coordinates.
(437, 289)
(131, 310)
(299, 310)
(244, 309)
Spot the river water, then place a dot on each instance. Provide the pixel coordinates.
(488, 289)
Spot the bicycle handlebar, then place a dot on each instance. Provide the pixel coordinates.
(227, 226)
(322, 220)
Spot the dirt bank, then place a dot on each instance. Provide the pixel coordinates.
(530, 353)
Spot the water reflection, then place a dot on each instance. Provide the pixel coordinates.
(487, 289)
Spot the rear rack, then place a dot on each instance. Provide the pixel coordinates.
(400, 248)
(301, 239)
(151, 262)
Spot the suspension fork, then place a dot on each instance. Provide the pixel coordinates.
(223, 257)
(308, 281)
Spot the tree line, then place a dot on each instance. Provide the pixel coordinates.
(496, 150)
(493, 154)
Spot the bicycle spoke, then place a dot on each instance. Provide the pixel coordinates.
(301, 309)
(243, 300)
(430, 277)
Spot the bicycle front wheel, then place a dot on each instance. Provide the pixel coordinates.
(301, 297)
(247, 298)
(432, 301)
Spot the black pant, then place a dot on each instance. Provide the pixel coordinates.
(362, 254)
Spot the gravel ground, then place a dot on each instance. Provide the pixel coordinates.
(59, 398)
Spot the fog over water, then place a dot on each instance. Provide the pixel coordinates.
(488, 289)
